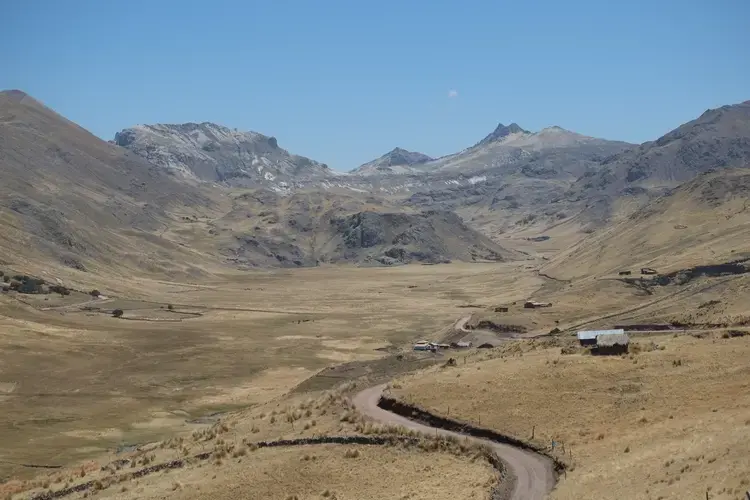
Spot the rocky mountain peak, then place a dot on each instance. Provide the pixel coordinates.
(501, 132)
(215, 153)
(398, 157)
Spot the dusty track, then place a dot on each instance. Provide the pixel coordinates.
(533, 474)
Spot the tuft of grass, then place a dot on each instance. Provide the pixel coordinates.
(351, 453)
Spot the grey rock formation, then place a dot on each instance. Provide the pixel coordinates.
(399, 238)
(210, 152)
(719, 138)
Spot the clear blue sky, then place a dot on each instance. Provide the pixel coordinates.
(344, 81)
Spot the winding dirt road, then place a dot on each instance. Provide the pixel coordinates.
(533, 474)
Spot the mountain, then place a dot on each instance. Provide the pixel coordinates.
(389, 238)
(78, 208)
(511, 180)
(396, 161)
(501, 132)
(69, 199)
(213, 153)
(718, 138)
(307, 228)
(704, 221)
(552, 150)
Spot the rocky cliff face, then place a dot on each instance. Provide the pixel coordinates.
(210, 152)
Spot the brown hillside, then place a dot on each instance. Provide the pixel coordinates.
(71, 199)
(705, 221)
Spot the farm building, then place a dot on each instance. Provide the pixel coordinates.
(533, 305)
(611, 344)
(590, 337)
(648, 270)
(423, 345)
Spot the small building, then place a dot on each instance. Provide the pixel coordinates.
(648, 270)
(501, 309)
(624, 273)
(589, 337)
(533, 305)
(612, 345)
(463, 344)
(423, 345)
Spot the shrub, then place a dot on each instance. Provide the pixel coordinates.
(170, 307)
(117, 313)
(6, 278)
(59, 289)
(31, 285)
(95, 293)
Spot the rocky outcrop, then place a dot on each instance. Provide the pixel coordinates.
(210, 152)
(400, 238)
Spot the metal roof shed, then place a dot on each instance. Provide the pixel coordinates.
(588, 337)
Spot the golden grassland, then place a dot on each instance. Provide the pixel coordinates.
(321, 471)
(236, 467)
(668, 420)
(75, 382)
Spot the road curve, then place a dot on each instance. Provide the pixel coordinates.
(533, 473)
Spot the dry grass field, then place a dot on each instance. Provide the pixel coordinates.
(233, 466)
(76, 383)
(315, 472)
(669, 420)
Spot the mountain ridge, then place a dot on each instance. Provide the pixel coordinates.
(210, 152)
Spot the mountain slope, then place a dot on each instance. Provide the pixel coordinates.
(552, 151)
(80, 208)
(388, 238)
(214, 153)
(71, 199)
(311, 227)
(718, 138)
(396, 161)
(704, 221)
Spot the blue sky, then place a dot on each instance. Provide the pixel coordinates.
(344, 81)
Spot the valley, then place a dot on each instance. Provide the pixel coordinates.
(190, 310)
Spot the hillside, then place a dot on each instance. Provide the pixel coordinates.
(211, 152)
(551, 152)
(77, 207)
(719, 138)
(265, 229)
(392, 238)
(704, 221)
(71, 200)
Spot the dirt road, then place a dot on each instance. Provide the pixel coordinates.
(533, 473)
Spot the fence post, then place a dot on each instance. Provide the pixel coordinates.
(533, 431)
